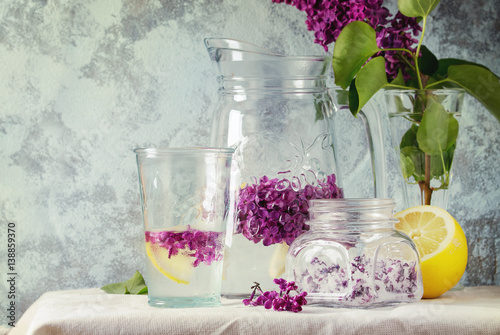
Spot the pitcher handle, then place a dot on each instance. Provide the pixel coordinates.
(373, 124)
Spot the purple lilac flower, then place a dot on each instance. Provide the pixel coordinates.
(282, 301)
(271, 211)
(205, 246)
(398, 280)
(398, 35)
(327, 18)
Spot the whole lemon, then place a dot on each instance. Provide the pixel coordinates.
(441, 244)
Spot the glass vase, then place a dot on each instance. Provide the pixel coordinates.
(424, 127)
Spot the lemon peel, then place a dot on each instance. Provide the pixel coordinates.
(441, 244)
(177, 268)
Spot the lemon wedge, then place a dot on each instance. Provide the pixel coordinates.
(277, 264)
(177, 268)
(441, 244)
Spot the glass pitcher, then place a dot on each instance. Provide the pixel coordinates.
(277, 113)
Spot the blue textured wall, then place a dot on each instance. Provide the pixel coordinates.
(82, 83)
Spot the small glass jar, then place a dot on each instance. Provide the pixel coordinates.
(352, 256)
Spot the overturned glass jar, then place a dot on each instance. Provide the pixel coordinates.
(353, 257)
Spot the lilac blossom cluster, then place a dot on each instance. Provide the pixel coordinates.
(272, 211)
(327, 18)
(205, 246)
(392, 280)
(282, 301)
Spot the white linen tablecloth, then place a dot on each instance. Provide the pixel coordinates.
(473, 310)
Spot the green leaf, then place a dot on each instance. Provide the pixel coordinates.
(480, 82)
(143, 291)
(342, 97)
(437, 168)
(417, 8)
(411, 158)
(448, 157)
(410, 150)
(419, 106)
(353, 98)
(318, 105)
(117, 288)
(412, 162)
(354, 46)
(399, 80)
(438, 130)
(134, 285)
(445, 63)
(427, 62)
(370, 79)
(407, 166)
(409, 139)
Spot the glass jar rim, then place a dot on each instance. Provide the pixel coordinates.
(166, 151)
(350, 203)
(447, 90)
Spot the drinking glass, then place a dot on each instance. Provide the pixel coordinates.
(185, 204)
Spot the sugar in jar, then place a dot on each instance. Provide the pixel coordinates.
(352, 256)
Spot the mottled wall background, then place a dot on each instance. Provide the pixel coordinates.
(82, 83)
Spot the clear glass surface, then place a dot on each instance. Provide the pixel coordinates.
(353, 257)
(406, 110)
(185, 203)
(278, 114)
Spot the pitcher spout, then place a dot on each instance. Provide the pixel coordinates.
(219, 48)
(239, 60)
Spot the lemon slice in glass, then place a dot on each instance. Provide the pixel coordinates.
(177, 268)
(441, 244)
(277, 263)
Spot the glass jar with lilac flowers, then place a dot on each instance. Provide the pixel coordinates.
(375, 51)
(353, 257)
